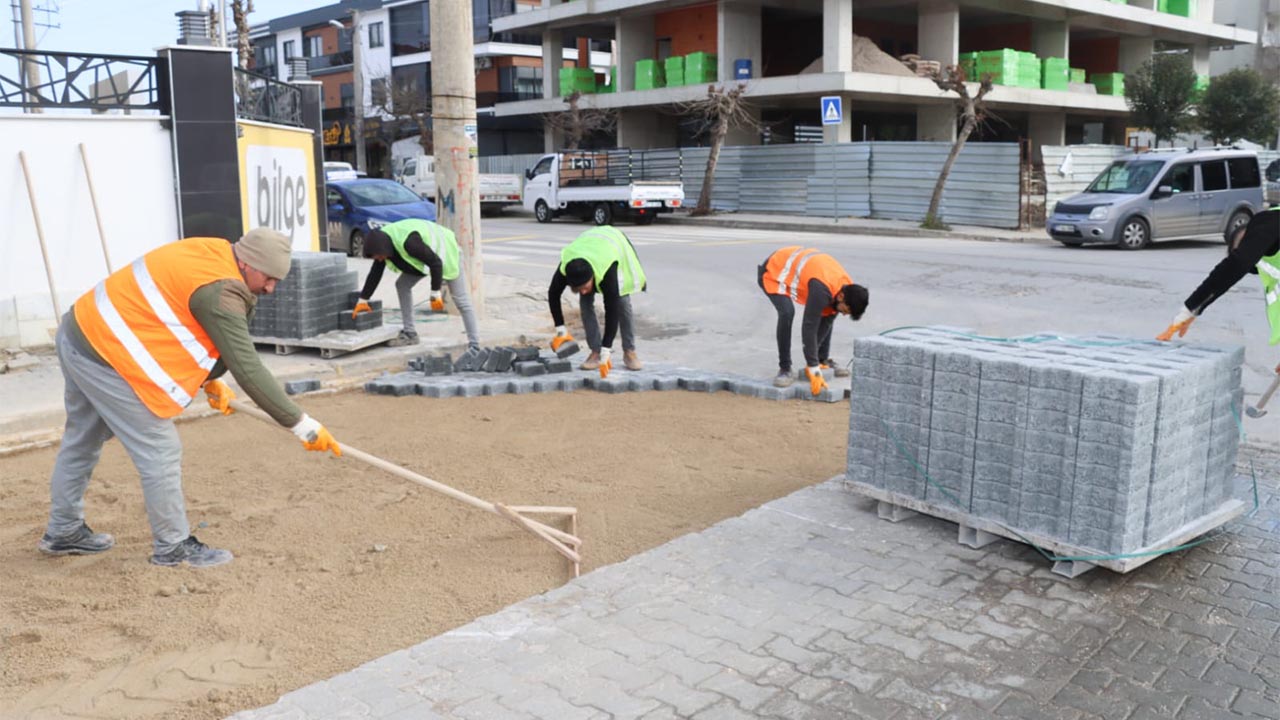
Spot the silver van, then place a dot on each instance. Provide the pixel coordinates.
(1162, 195)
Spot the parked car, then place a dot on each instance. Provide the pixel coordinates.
(603, 185)
(1272, 175)
(1162, 195)
(358, 206)
(335, 170)
(496, 190)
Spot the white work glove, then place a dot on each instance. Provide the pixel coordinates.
(1181, 323)
(437, 304)
(817, 383)
(605, 363)
(307, 428)
(561, 331)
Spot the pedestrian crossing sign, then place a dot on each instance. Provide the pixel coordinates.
(832, 110)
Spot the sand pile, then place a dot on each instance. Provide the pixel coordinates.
(869, 58)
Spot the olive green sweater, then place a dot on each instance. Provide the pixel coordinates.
(223, 309)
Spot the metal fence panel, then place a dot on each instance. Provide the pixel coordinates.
(841, 181)
(983, 188)
(1063, 179)
(508, 164)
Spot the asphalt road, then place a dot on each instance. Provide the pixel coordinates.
(704, 306)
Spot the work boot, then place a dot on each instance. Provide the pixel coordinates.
(631, 360)
(592, 362)
(783, 379)
(837, 368)
(194, 553)
(404, 338)
(81, 541)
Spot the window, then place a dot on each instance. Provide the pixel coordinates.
(410, 29)
(314, 45)
(1126, 177)
(543, 167)
(348, 93)
(520, 83)
(264, 56)
(410, 167)
(1244, 172)
(1213, 175)
(375, 35)
(332, 197)
(1182, 178)
(289, 52)
(412, 82)
(378, 92)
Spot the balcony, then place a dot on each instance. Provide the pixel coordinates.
(321, 63)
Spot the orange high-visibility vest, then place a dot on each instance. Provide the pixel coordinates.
(789, 270)
(139, 320)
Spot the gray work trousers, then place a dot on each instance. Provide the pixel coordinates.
(626, 324)
(457, 288)
(101, 405)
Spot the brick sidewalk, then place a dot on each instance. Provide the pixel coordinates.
(812, 607)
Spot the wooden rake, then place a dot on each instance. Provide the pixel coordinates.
(566, 543)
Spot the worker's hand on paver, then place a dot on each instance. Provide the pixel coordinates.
(817, 383)
(219, 396)
(437, 303)
(360, 307)
(1181, 323)
(606, 364)
(562, 337)
(314, 437)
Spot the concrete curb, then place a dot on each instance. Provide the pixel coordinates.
(845, 229)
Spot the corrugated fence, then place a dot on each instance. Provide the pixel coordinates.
(892, 180)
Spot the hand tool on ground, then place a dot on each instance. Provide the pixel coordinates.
(44, 251)
(1256, 411)
(566, 543)
(93, 198)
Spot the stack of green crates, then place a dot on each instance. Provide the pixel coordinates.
(1108, 83)
(1078, 75)
(1028, 70)
(577, 79)
(674, 67)
(1176, 7)
(649, 75)
(1202, 84)
(969, 64)
(700, 67)
(1003, 65)
(1055, 73)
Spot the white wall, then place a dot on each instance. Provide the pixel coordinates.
(133, 175)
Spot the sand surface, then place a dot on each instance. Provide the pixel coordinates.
(337, 563)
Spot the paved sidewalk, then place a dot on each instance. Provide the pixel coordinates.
(812, 607)
(856, 226)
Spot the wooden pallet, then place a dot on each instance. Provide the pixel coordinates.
(977, 532)
(334, 343)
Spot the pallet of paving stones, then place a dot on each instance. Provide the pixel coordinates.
(429, 378)
(1089, 447)
(334, 343)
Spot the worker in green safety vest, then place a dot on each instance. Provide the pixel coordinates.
(1253, 249)
(601, 260)
(415, 248)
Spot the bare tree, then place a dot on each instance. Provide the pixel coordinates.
(407, 103)
(972, 111)
(720, 111)
(240, 10)
(577, 123)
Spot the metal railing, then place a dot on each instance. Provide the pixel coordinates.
(38, 79)
(267, 100)
(332, 60)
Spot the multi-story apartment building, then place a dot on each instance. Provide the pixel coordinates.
(800, 50)
(395, 52)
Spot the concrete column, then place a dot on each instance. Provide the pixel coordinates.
(635, 42)
(936, 123)
(1046, 129)
(552, 61)
(1050, 39)
(1134, 51)
(1204, 11)
(939, 31)
(1144, 4)
(837, 36)
(1200, 58)
(551, 140)
(738, 30)
(641, 129)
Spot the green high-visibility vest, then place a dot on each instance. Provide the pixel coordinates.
(1269, 273)
(440, 239)
(601, 247)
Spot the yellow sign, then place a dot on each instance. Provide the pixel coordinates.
(278, 182)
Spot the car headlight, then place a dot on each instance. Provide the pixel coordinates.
(1099, 213)
(375, 224)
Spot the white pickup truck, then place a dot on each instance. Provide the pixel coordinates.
(603, 185)
(497, 191)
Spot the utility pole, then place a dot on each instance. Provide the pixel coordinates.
(453, 125)
(357, 65)
(29, 43)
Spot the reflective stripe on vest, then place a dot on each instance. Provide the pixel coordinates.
(795, 277)
(440, 239)
(786, 268)
(601, 247)
(791, 276)
(139, 321)
(1269, 273)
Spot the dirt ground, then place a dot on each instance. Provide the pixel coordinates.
(337, 563)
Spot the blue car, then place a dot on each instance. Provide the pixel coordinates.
(358, 206)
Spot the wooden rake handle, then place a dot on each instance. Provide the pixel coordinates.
(562, 542)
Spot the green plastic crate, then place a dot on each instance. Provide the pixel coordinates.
(1183, 8)
(577, 79)
(1108, 83)
(1055, 73)
(998, 57)
(700, 67)
(1078, 75)
(673, 70)
(649, 75)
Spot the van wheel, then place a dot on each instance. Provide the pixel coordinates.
(355, 246)
(1135, 234)
(1238, 220)
(602, 214)
(542, 211)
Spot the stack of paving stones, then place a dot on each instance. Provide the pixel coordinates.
(363, 321)
(427, 379)
(1098, 443)
(311, 300)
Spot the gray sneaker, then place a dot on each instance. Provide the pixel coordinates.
(404, 338)
(836, 368)
(82, 541)
(783, 379)
(194, 553)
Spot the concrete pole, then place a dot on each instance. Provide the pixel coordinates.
(222, 23)
(357, 66)
(29, 43)
(453, 124)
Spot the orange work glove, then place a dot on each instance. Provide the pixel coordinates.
(1181, 323)
(219, 396)
(817, 383)
(314, 437)
(606, 363)
(360, 307)
(562, 337)
(437, 304)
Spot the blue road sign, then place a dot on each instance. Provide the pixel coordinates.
(832, 110)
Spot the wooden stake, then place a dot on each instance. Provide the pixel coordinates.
(44, 251)
(559, 540)
(93, 197)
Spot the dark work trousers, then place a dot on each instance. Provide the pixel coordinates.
(786, 316)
